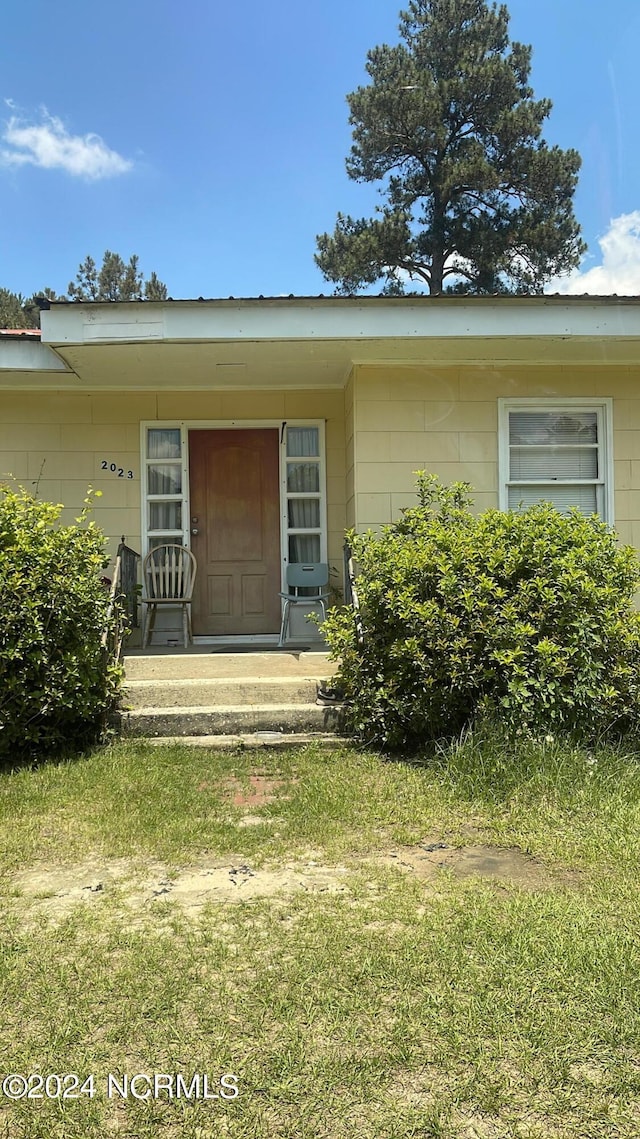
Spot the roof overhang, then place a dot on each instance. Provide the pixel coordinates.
(23, 357)
(297, 342)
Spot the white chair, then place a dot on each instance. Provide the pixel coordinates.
(304, 575)
(168, 576)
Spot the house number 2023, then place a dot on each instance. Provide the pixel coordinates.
(116, 470)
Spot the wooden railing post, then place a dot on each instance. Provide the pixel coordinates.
(129, 580)
(123, 589)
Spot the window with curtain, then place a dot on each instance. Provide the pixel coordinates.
(556, 455)
(303, 484)
(164, 485)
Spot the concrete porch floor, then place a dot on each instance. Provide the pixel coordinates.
(228, 649)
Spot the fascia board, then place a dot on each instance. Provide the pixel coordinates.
(334, 321)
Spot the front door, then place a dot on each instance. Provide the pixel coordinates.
(235, 527)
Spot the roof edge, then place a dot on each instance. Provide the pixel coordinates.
(368, 300)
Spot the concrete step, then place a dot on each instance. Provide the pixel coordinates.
(216, 691)
(230, 719)
(253, 741)
(207, 665)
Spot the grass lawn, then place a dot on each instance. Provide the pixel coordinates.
(445, 950)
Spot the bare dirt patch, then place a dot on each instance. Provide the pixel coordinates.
(257, 821)
(506, 866)
(61, 887)
(194, 887)
(260, 789)
(587, 1073)
(53, 891)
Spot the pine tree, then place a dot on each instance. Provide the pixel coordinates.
(115, 280)
(475, 199)
(17, 311)
(154, 289)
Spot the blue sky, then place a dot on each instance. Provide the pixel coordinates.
(210, 138)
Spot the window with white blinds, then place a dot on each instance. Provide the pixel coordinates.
(555, 453)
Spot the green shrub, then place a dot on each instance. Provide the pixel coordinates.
(524, 616)
(55, 685)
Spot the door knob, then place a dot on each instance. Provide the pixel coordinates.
(195, 531)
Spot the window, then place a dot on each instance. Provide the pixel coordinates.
(556, 452)
(164, 486)
(304, 494)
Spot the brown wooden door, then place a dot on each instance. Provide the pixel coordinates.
(235, 497)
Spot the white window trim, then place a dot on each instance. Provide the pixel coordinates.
(185, 426)
(604, 407)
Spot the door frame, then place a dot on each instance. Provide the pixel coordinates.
(184, 536)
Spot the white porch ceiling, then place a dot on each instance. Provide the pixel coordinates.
(308, 364)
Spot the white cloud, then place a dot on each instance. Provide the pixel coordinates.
(620, 269)
(49, 145)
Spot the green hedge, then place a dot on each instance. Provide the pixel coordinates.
(55, 686)
(526, 616)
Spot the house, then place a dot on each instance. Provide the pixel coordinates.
(256, 430)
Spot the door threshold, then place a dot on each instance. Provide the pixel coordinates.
(240, 639)
(256, 643)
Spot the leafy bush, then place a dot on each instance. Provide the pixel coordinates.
(526, 616)
(55, 685)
